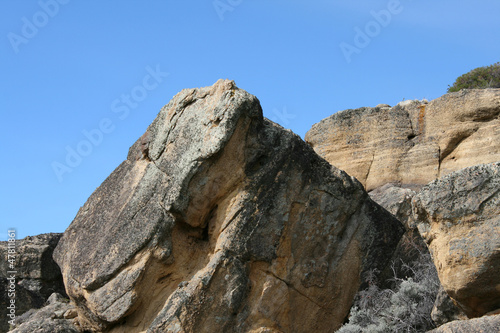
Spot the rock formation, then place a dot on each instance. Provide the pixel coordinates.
(56, 317)
(486, 324)
(396, 200)
(459, 218)
(393, 151)
(222, 221)
(414, 142)
(37, 277)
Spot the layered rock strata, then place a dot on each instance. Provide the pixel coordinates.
(413, 142)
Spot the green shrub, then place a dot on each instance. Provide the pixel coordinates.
(479, 78)
(406, 308)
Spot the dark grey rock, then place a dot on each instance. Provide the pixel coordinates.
(49, 319)
(445, 310)
(37, 275)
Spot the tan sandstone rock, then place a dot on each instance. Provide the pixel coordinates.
(222, 221)
(459, 218)
(486, 324)
(414, 142)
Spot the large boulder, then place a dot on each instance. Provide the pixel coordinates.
(459, 218)
(222, 221)
(413, 142)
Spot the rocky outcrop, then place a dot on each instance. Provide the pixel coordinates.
(414, 142)
(222, 221)
(56, 317)
(37, 275)
(459, 218)
(486, 324)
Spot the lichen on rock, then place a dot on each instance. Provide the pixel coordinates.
(222, 221)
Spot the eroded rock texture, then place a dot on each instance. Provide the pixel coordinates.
(396, 200)
(57, 316)
(414, 142)
(222, 221)
(37, 275)
(459, 218)
(486, 324)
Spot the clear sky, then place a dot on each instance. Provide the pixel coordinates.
(88, 77)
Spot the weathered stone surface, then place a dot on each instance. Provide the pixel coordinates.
(486, 324)
(36, 270)
(49, 319)
(459, 218)
(222, 221)
(396, 200)
(37, 275)
(414, 142)
(445, 310)
(25, 300)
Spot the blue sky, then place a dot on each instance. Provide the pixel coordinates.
(90, 76)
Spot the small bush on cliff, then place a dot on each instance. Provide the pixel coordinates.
(407, 308)
(479, 78)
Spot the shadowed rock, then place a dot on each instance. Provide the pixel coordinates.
(445, 310)
(396, 200)
(37, 276)
(222, 221)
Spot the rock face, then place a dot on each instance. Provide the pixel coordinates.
(486, 324)
(37, 277)
(56, 317)
(459, 218)
(396, 200)
(222, 221)
(414, 142)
